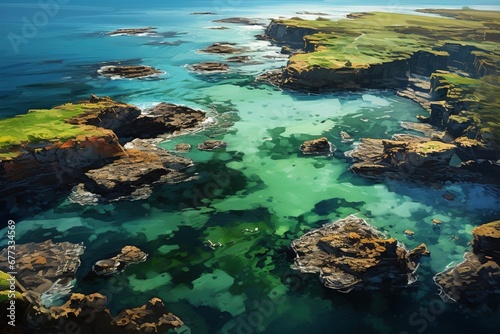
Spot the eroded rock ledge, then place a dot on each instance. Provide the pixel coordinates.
(350, 254)
(477, 279)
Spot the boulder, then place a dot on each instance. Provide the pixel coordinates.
(129, 255)
(211, 145)
(350, 254)
(320, 146)
(182, 148)
(476, 280)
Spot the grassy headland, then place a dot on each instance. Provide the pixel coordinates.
(46, 126)
(463, 42)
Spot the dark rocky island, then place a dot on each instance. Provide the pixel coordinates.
(129, 72)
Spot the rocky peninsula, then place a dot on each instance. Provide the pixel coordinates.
(85, 144)
(448, 65)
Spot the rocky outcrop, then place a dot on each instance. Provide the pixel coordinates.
(164, 118)
(129, 72)
(419, 157)
(350, 254)
(132, 177)
(182, 148)
(222, 48)
(90, 315)
(128, 255)
(477, 279)
(212, 145)
(46, 271)
(133, 31)
(210, 67)
(320, 146)
(152, 317)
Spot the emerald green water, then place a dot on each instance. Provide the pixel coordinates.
(256, 197)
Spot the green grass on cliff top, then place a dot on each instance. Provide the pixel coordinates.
(482, 97)
(44, 126)
(380, 37)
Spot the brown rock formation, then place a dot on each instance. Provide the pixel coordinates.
(222, 48)
(476, 279)
(419, 157)
(211, 145)
(89, 314)
(129, 255)
(350, 254)
(320, 146)
(182, 148)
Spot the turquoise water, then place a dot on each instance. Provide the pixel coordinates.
(256, 197)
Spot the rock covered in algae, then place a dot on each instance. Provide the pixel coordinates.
(350, 254)
(476, 279)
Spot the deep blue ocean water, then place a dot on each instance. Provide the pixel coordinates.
(261, 182)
